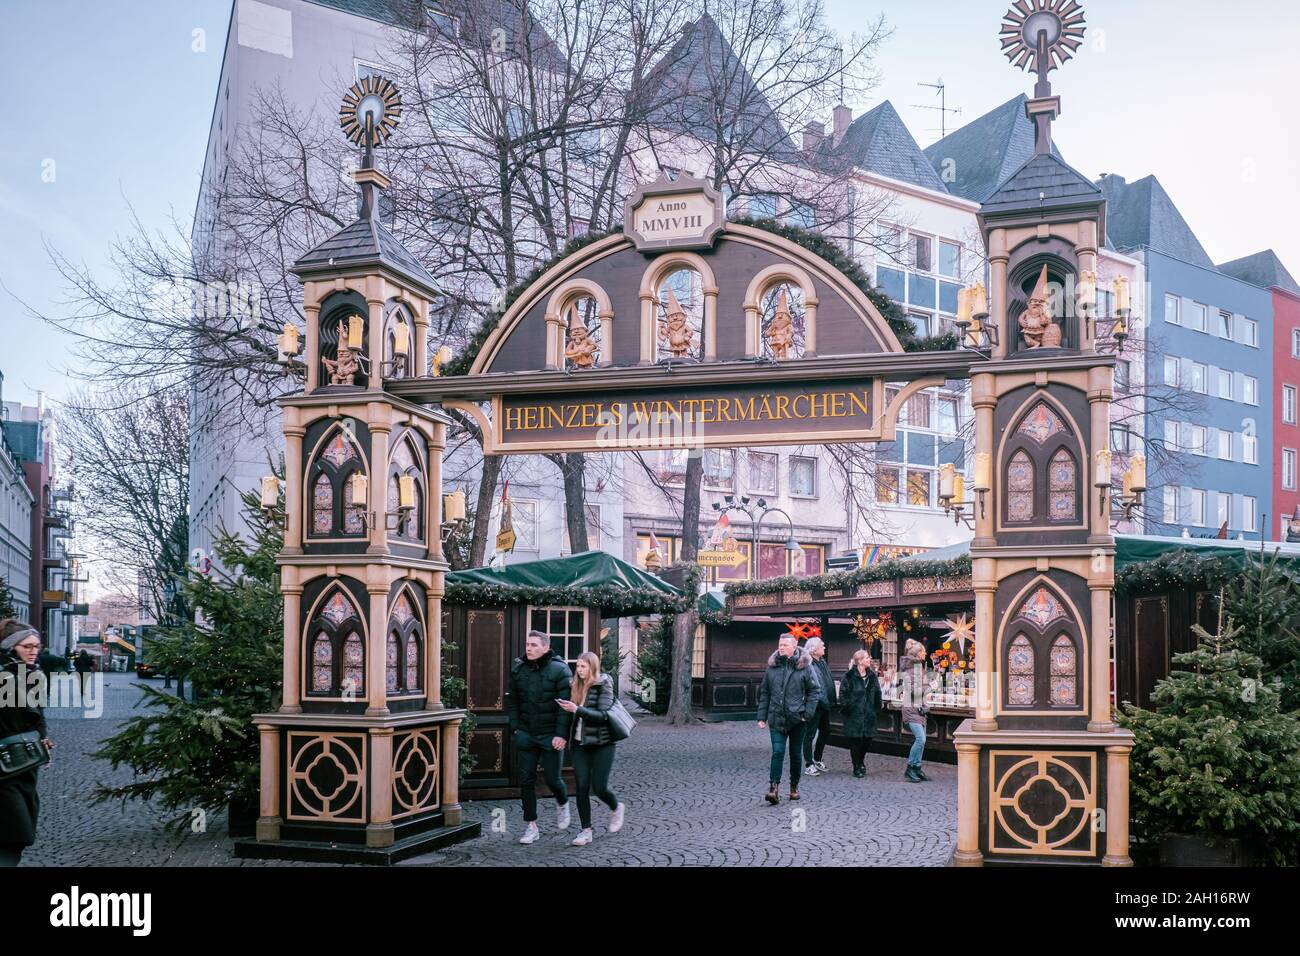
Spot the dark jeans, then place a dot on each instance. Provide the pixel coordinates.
(819, 727)
(532, 751)
(858, 749)
(779, 741)
(591, 767)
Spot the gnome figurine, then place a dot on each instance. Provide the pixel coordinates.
(582, 348)
(1035, 322)
(677, 332)
(780, 331)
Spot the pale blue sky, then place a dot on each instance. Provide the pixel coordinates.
(1201, 93)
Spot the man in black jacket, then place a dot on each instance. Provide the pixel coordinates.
(539, 726)
(787, 697)
(819, 722)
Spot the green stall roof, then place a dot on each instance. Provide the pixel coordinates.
(590, 579)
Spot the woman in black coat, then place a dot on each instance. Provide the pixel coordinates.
(593, 750)
(19, 714)
(860, 701)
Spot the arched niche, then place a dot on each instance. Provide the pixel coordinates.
(1024, 270)
(678, 272)
(762, 298)
(404, 641)
(1043, 468)
(409, 457)
(1041, 651)
(399, 313)
(337, 450)
(589, 303)
(336, 312)
(334, 636)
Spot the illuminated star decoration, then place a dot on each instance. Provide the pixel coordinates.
(1061, 20)
(373, 98)
(962, 629)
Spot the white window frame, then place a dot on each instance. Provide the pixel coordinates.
(1223, 508)
(567, 634)
(790, 466)
(1171, 436)
(1197, 440)
(1250, 389)
(1252, 333)
(1225, 438)
(1204, 371)
(939, 260)
(1178, 309)
(1170, 513)
(1288, 404)
(1295, 343)
(517, 505)
(1249, 513)
(754, 489)
(1225, 325)
(1203, 324)
(1196, 507)
(1288, 468)
(912, 236)
(1174, 364)
(1225, 378)
(1249, 449)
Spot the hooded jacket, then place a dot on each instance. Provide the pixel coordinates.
(19, 802)
(534, 688)
(860, 700)
(788, 694)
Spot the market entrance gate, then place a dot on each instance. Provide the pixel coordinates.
(685, 330)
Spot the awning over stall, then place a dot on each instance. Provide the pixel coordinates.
(590, 579)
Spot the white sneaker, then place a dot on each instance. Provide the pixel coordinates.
(583, 838)
(820, 766)
(562, 817)
(811, 770)
(616, 819)
(531, 833)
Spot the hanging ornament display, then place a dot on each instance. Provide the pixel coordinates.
(871, 629)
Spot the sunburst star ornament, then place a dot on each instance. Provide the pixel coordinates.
(1060, 20)
(371, 110)
(961, 630)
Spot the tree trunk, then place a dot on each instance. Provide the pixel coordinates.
(574, 469)
(679, 700)
(487, 491)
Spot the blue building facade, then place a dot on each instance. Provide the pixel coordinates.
(1209, 362)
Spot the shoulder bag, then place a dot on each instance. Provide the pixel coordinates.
(621, 722)
(22, 752)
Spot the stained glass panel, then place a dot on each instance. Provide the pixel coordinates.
(340, 451)
(1020, 659)
(1061, 490)
(354, 661)
(1041, 423)
(403, 458)
(402, 610)
(352, 523)
(322, 506)
(1064, 665)
(413, 677)
(1020, 488)
(1042, 608)
(338, 609)
(390, 662)
(322, 663)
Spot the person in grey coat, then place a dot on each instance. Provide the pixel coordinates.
(787, 697)
(912, 683)
(819, 724)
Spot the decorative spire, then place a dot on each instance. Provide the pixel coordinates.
(370, 112)
(1038, 36)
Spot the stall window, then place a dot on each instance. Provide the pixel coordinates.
(566, 627)
(803, 476)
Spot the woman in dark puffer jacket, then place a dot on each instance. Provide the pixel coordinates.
(20, 643)
(593, 751)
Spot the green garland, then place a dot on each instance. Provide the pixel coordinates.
(953, 567)
(813, 242)
(1177, 570)
(612, 601)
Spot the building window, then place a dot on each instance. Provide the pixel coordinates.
(1288, 469)
(1171, 504)
(719, 467)
(922, 322)
(1122, 373)
(949, 420)
(1295, 343)
(443, 23)
(1225, 444)
(523, 519)
(918, 488)
(922, 253)
(1225, 384)
(1197, 444)
(1173, 308)
(1250, 390)
(1196, 507)
(918, 410)
(579, 227)
(801, 215)
(803, 476)
(1249, 449)
(892, 282)
(949, 259)
(1223, 507)
(1171, 371)
(762, 472)
(1121, 438)
(762, 206)
(1288, 404)
(1196, 320)
(1200, 376)
(887, 486)
(1247, 513)
(1225, 325)
(1171, 436)
(566, 627)
(1250, 329)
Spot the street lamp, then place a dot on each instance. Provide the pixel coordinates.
(757, 514)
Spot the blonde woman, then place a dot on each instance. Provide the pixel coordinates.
(860, 703)
(911, 682)
(593, 750)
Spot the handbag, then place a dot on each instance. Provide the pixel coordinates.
(22, 752)
(621, 722)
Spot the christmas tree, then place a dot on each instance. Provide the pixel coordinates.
(1264, 601)
(7, 608)
(1218, 757)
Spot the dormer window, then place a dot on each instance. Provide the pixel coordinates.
(442, 22)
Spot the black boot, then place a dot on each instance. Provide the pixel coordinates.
(773, 795)
(921, 773)
(912, 775)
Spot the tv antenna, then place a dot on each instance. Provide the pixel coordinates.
(944, 109)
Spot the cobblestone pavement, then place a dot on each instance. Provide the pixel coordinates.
(693, 796)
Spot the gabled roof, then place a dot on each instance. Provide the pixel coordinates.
(365, 243)
(1045, 182)
(879, 142)
(685, 84)
(986, 152)
(1142, 214)
(1263, 269)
